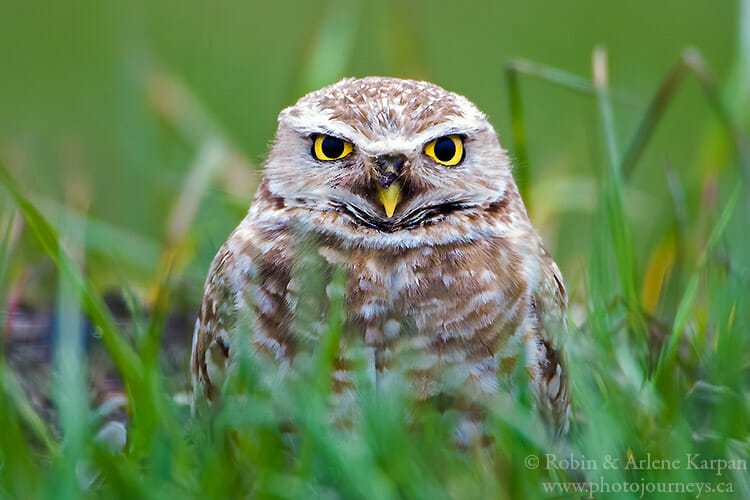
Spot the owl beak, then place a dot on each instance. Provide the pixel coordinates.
(389, 191)
(389, 198)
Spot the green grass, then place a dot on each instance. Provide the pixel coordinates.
(658, 353)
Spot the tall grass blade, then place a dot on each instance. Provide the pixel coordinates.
(122, 353)
(613, 196)
(70, 389)
(513, 70)
(668, 353)
(691, 61)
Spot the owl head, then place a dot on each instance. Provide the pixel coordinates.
(388, 156)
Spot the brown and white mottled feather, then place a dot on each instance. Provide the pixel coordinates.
(452, 290)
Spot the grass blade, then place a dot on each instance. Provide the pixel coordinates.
(123, 355)
(668, 353)
(613, 195)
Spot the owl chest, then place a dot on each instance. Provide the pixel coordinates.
(433, 293)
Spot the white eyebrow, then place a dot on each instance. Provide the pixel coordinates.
(311, 122)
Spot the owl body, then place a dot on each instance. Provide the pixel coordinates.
(405, 187)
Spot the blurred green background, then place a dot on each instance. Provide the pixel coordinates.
(86, 87)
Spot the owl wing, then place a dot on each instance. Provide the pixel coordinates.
(246, 299)
(551, 300)
(211, 337)
(550, 303)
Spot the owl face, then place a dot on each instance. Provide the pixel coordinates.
(389, 155)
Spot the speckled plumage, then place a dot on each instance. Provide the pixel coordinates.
(453, 289)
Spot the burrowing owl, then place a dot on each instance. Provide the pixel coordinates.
(406, 186)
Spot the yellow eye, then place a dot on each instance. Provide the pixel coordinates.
(329, 148)
(448, 150)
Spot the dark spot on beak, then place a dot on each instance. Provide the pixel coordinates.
(390, 166)
(396, 161)
(387, 179)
